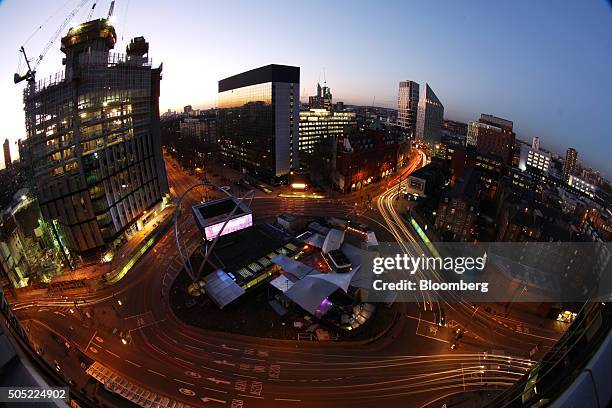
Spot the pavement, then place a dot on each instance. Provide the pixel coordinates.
(409, 366)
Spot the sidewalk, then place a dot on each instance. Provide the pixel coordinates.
(92, 276)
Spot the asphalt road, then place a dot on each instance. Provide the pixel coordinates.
(410, 366)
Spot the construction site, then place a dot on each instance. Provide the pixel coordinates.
(93, 151)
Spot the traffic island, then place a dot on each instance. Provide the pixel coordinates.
(298, 278)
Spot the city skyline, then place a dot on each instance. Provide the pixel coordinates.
(475, 63)
(295, 246)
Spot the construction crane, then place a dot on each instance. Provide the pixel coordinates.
(91, 11)
(110, 10)
(30, 74)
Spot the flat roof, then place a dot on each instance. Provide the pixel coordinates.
(255, 246)
(214, 211)
(221, 288)
(261, 75)
(339, 259)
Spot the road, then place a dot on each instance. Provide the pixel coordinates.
(410, 366)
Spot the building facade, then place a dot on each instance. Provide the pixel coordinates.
(581, 185)
(494, 135)
(258, 121)
(322, 100)
(457, 214)
(93, 149)
(202, 129)
(430, 118)
(366, 156)
(569, 167)
(7, 153)
(532, 159)
(407, 106)
(455, 128)
(316, 125)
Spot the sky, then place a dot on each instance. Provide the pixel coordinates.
(545, 65)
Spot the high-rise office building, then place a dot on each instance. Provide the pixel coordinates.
(569, 167)
(532, 159)
(494, 135)
(407, 106)
(316, 125)
(258, 121)
(430, 118)
(7, 153)
(535, 143)
(322, 100)
(93, 148)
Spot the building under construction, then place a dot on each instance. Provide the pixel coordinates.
(93, 148)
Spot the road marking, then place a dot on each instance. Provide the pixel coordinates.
(111, 353)
(250, 396)
(187, 391)
(254, 359)
(223, 354)
(184, 382)
(90, 340)
(215, 390)
(184, 361)
(287, 399)
(217, 381)
(245, 376)
(155, 372)
(194, 347)
(212, 369)
(133, 363)
(209, 399)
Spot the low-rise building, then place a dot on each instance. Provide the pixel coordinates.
(422, 182)
(367, 156)
(581, 185)
(457, 213)
(202, 129)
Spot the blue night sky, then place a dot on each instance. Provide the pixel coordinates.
(543, 64)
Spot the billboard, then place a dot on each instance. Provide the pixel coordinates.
(233, 225)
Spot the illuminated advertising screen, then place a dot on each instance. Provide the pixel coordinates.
(235, 224)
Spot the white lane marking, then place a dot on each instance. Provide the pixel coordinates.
(111, 353)
(221, 354)
(250, 396)
(287, 399)
(133, 363)
(90, 340)
(215, 390)
(254, 359)
(184, 361)
(210, 399)
(245, 376)
(184, 382)
(155, 372)
(212, 369)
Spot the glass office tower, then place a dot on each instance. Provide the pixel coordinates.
(93, 148)
(258, 121)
